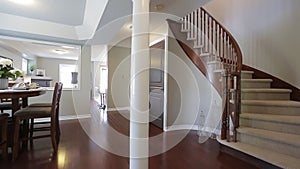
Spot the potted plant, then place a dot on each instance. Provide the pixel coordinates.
(32, 68)
(7, 71)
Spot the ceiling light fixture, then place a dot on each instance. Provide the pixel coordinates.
(68, 47)
(23, 2)
(60, 51)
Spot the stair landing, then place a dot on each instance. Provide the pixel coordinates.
(277, 159)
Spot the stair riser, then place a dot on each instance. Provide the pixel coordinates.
(246, 75)
(270, 144)
(246, 85)
(292, 111)
(265, 96)
(269, 125)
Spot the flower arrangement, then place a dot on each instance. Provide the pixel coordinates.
(7, 70)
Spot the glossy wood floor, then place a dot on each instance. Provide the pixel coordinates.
(77, 151)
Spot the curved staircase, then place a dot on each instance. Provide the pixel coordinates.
(269, 123)
(265, 122)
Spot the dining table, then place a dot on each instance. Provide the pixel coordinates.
(20, 94)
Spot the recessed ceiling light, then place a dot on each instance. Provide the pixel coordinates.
(60, 51)
(23, 2)
(68, 47)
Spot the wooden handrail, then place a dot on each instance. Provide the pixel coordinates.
(219, 52)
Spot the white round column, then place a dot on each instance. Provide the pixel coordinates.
(139, 87)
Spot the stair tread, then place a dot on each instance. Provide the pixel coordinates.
(275, 158)
(291, 139)
(204, 54)
(256, 80)
(246, 71)
(267, 90)
(274, 118)
(278, 103)
(213, 62)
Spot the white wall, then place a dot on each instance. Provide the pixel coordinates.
(17, 59)
(118, 77)
(51, 66)
(75, 102)
(189, 93)
(267, 32)
(67, 105)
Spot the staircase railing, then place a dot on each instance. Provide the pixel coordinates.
(222, 57)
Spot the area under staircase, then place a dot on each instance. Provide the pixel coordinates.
(265, 122)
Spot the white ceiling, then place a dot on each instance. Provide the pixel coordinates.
(48, 10)
(77, 21)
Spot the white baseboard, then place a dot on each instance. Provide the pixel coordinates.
(192, 127)
(181, 127)
(72, 117)
(67, 117)
(118, 109)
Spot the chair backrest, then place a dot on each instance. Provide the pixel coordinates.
(56, 100)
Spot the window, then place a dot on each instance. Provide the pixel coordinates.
(24, 66)
(103, 79)
(65, 75)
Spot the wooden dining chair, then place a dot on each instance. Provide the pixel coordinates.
(32, 122)
(3, 136)
(28, 113)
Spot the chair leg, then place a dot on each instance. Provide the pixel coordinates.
(4, 139)
(4, 151)
(54, 142)
(16, 138)
(25, 133)
(57, 128)
(31, 132)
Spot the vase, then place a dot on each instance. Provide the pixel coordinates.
(3, 83)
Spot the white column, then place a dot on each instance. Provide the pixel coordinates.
(139, 87)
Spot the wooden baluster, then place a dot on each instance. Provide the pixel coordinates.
(202, 28)
(195, 25)
(188, 26)
(204, 22)
(182, 24)
(192, 25)
(212, 37)
(216, 40)
(208, 34)
(220, 45)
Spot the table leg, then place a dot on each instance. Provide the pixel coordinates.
(15, 105)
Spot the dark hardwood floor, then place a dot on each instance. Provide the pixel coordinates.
(78, 151)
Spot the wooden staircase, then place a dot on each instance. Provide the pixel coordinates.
(269, 123)
(265, 122)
